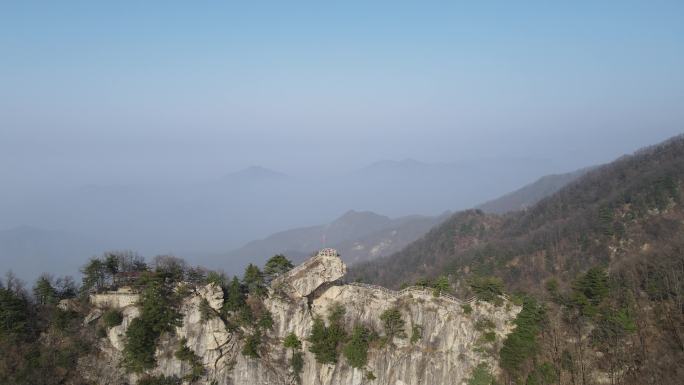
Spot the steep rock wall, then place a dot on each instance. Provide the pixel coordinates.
(449, 347)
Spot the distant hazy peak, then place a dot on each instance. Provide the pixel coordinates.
(355, 216)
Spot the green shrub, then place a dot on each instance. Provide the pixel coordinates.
(441, 285)
(252, 345)
(158, 306)
(589, 290)
(158, 315)
(393, 324)
(593, 284)
(297, 361)
(292, 342)
(184, 353)
(112, 318)
(416, 333)
(322, 346)
(467, 309)
(336, 313)
(481, 376)
(521, 344)
(487, 288)
(206, 311)
(266, 321)
(139, 347)
(326, 341)
(489, 337)
(356, 350)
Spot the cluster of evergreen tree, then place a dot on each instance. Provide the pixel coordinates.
(39, 341)
(328, 341)
(158, 315)
(25, 316)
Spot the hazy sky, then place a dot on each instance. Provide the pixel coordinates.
(124, 91)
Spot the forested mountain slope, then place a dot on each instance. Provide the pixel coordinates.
(532, 193)
(606, 256)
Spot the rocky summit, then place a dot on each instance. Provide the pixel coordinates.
(432, 338)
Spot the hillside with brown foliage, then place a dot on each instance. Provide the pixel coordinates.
(623, 223)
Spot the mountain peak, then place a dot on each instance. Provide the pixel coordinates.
(353, 216)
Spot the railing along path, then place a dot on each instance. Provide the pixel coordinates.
(419, 289)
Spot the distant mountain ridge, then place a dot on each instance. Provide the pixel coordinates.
(601, 261)
(358, 235)
(254, 173)
(200, 220)
(364, 236)
(532, 193)
(225, 211)
(648, 178)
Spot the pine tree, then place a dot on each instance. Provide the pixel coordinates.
(44, 292)
(393, 323)
(356, 351)
(277, 265)
(235, 296)
(254, 280)
(441, 285)
(93, 274)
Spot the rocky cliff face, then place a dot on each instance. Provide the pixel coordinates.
(448, 345)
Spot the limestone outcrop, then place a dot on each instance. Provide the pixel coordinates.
(325, 267)
(445, 350)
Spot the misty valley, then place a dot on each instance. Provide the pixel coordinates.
(575, 278)
(342, 192)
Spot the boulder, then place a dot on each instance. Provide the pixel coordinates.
(325, 267)
(94, 315)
